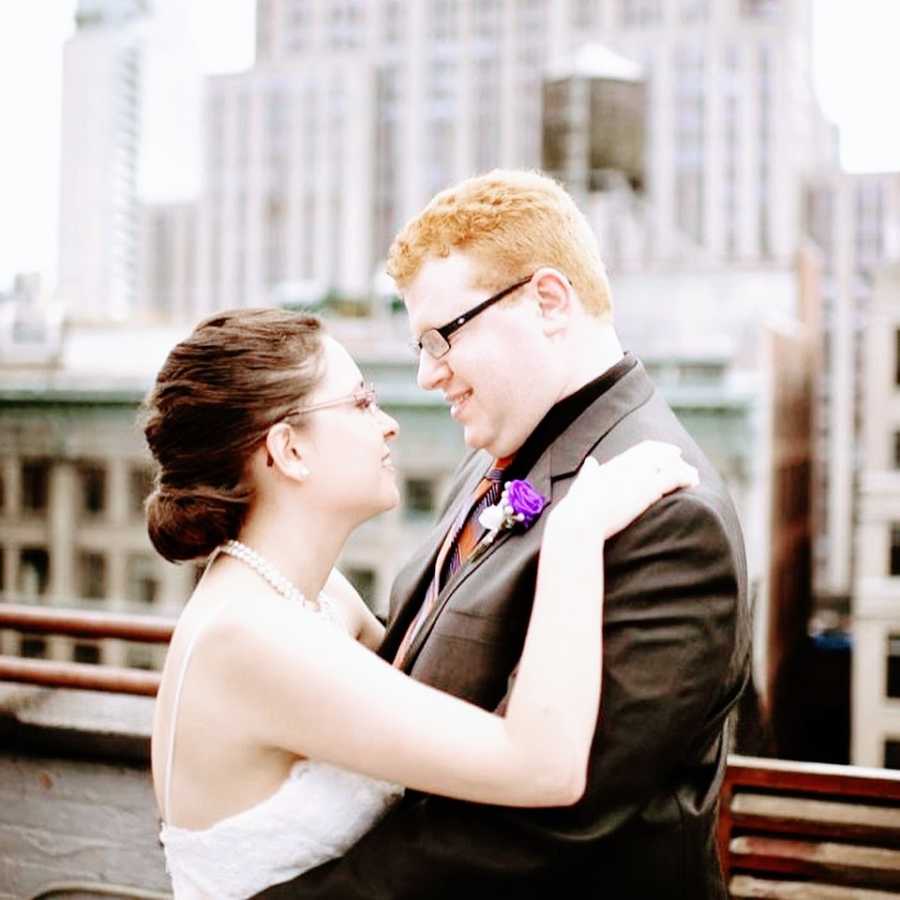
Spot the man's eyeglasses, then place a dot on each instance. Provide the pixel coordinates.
(363, 397)
(436, 341)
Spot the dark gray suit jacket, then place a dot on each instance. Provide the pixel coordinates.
(676, 657)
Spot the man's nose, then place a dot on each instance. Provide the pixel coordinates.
(431, 371)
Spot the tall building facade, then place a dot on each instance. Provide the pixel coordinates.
(103, 66)
(733, 129)
(876, 601)
(287, 200)
(355, 113)
(855, 220)
(167, 255)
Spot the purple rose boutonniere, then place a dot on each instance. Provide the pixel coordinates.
(519, 506)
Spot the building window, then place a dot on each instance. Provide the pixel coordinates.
(140, 656)
(583, 14)
(91, 575)
(637, 13)
(393, 22)
(764, 134)
(143, 583)
(419, 497)
(33, 647)
(690, 141)
(140, 484)
(86, 653)
(894, 561)
(892, 754)
(694, 11)
(344, 24)
(34, 571)
(444, 20)
(897, 357)
(892, 687)
(35, 480)
(92, 477)
(760, 9)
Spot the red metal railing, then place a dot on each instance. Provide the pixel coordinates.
(81, 623)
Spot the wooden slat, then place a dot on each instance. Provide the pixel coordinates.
(792, 776)
(823, 852)
(829, 861)
(746, 886)
(770, 812)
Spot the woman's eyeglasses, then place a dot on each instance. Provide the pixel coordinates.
(364, 397)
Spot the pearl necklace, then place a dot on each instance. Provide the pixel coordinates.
(275, 579)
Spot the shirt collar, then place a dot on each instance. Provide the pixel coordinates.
(562, 414)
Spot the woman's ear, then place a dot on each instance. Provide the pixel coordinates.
(285, 453)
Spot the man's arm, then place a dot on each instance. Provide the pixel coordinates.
(675, 658)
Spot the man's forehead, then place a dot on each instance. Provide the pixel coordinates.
(440, 286)
(457, 267)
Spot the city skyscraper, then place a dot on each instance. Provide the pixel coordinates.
(876, 620)
(131, 98)
(356, 113)
(103, 66)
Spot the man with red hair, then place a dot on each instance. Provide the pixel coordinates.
(511, 313)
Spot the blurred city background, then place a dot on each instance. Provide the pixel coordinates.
(755, 271)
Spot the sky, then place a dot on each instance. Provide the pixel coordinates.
(856, 72)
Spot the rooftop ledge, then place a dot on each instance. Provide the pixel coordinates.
(75, 723)
(77, 813)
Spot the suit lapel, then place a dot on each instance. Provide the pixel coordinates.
(539, 476)
(570, 449)
(560, 460)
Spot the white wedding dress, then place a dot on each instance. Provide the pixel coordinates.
(315, 815)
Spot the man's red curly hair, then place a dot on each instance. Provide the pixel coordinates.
(512, 222)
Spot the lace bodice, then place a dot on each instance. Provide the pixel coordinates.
(316, 814)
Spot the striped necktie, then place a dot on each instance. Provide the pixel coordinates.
(487, 493)
(461, 540)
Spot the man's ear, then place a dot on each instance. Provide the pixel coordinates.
(554, 294)
(285, 453)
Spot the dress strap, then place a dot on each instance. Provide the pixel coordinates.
(173, 719)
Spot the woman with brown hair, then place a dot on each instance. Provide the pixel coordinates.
(279, 737)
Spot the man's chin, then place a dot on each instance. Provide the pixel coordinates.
(474, 440)
(482, 443)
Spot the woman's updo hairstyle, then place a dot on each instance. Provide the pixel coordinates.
(215, 398)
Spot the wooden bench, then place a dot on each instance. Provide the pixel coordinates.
(806, 831)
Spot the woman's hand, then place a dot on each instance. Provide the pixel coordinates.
(611, 496)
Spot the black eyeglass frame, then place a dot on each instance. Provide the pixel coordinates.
(451, 327)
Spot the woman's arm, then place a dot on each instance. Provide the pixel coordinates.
(363, 624)
(319, 695)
